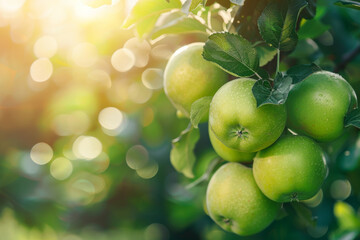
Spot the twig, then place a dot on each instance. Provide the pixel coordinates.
(277, 61)
(206, 175)
(346, 59)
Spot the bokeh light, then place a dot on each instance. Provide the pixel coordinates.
(161, 51)
(45, 47)
(140, 49)
(315, 200)
(149, 170)
(61, 168)
(87, 147)
(87, 128)
(152, 78)
(41, 153)
(340, 189)
(123, 60)
(101, 163)
(110, 118)
(28, 166)
(156, 231)
(137, 157)
(41, 70)
(81, 191)
(138, 93)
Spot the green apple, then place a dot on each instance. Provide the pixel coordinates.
(235, 202)
(188, 77)
(238, 123)
(293, 168)
(317, 106)
(227, 153)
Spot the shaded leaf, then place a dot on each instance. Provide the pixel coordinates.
(265, 94)
(300, 72)
(178, 25)
(265, 53)
(145, 9)
(232, 53)
(182, 155)
(304, 213)
(245, 20)
(263, 73)
(199, 109)
(352, 118)
(349, 4)
(309, 11)
(278, 21)
(312, 29)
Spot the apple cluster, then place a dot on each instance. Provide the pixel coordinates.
(280, 142)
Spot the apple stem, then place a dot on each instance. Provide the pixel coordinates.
(241, 133)
(294, 197)
(277, 62)
(226, 220)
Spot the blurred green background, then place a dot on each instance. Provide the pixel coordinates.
(86, 129)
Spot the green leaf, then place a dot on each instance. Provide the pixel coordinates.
(346, 216)
(237, 2)
(199, 109)
(265, 53)
(146, 26)
(345, 235)
(145, 9)
(232, 53)
(245, 20)
(349, 4)
(182, 155)
(278, 21)
(352, 118)
(178, 23)
(190, 5)
(312, 29)
(300, 72)
(265, 94)
(304, 214)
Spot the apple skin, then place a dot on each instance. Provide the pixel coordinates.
(317, 106)
(189, 77)
(229, 154)
(292, 169)
(237, 122)
(235, 202)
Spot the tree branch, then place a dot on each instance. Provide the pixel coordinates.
(346, 59)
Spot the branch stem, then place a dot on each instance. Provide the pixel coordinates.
(346, 59)
(206, 175)
(277, 62)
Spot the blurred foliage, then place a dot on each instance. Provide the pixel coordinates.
(90, 92)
